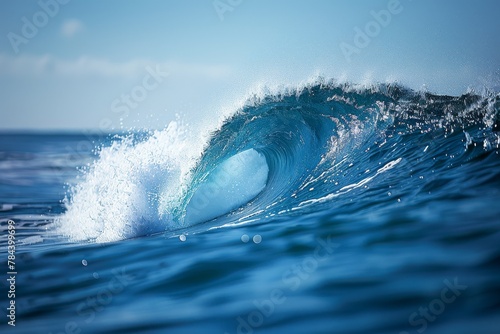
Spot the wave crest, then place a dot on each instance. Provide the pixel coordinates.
(322, 144)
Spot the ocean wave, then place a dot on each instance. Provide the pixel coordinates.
(296, 151)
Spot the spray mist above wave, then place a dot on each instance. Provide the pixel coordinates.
(296, 151)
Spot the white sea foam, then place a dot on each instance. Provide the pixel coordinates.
(118, 196)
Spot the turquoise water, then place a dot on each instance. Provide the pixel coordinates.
(326, 209)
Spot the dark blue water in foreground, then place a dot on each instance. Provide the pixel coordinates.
(379, 212)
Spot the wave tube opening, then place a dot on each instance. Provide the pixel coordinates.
(232, 184)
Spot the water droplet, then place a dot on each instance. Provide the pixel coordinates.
(182, 237)
(84, 262)
(96, 275)
(245, 238)
(389, 194)
(257, 238)
(399, 199)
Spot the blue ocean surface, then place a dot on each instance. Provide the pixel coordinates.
(323, 209)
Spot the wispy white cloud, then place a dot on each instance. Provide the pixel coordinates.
(27, 65)
(71, 27)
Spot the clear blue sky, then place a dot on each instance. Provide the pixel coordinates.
(86, 57)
